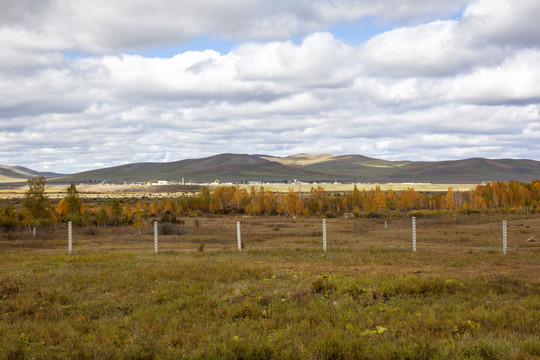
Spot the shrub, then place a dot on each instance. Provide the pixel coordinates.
(469, 211)
(170, 229)
(323, 286)
(374, 214)
(9, 286)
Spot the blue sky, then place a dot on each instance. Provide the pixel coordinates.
(85, 85)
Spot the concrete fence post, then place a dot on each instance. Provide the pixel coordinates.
(505, 239)
(70, 237)
(238, 236)
(414, 234)
(324, 234)
(156, 237)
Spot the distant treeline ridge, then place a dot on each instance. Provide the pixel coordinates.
(36, 208)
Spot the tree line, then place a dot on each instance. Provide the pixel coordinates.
(37, 210)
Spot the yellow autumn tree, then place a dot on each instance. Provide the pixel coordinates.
(449, 200)
(379, 200)
(292, 204)
(408, 199)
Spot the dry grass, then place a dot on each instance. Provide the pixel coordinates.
(368, 297)
(91, 191)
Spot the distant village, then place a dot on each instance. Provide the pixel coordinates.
(217, 182)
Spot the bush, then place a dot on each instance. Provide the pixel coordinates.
(171, 218)
(89, 231)
(468, 211)
(374, 215)
(323, 286)
(170, 229)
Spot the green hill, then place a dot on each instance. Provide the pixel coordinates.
(224, 167)
(20, 174)
(315, 168)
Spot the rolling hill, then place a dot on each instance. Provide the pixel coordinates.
(21, 174)
(225, 167)
(315, 168)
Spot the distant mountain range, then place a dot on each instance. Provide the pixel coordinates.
(239, 168)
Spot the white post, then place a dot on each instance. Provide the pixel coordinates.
(238, 236)
(385, 225)
(70, 237)
(414, 234)
(504, 237)
(156, 237)
(324, 234)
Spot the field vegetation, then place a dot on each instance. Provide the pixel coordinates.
(35, 207)
(369, 296)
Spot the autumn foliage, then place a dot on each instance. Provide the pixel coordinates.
(258, 201)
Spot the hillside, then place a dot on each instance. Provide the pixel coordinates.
(318, 168)
(21, 174)
(225, 167)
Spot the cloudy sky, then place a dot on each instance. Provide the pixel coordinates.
(86, 84)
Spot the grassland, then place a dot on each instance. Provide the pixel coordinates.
(368, 297)
(367, 187)
(90, 191)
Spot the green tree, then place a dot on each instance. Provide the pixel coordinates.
(9, 218)
(71, 207)
(73, 200)
(101, 217)
(116, 211)
(36, 205)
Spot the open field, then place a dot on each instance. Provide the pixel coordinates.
(86, 191)
(55, 191)
(369, 296)
(349, 187)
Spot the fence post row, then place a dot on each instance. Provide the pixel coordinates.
(238, 236)
(414, 234)
(156, 237)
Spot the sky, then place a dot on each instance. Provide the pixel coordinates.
(87, 84)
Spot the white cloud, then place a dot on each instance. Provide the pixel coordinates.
(437, 90)
(320, 61)
(388, 10)
(516, 80)
(114, 25)
(440, 48)
(504, 22)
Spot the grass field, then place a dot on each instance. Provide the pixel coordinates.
(349, 187)
(368, 297)
(55, 191)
